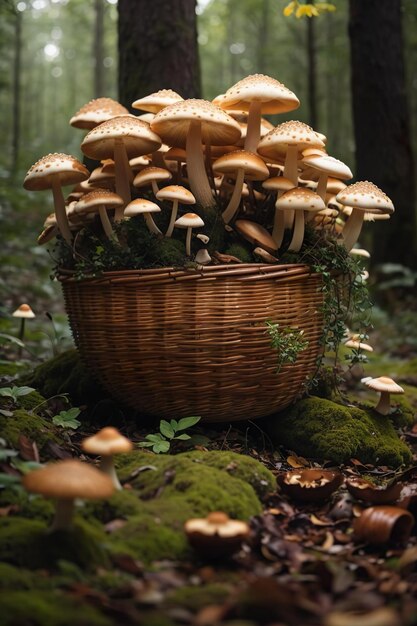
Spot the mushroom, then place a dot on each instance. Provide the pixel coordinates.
(202, 257)
(106, 443)
(189, 221)
(149, 176)
(310, 485)
(327, 166)
(364, 490)
(256, 235)
(65, 481)
(239, 164)
(96, 112)
(191, 123)
(54, 171)
(264, 255)
(24, 312)
(299, 200)
(157, 101)
(280, 184)
(100, 201)
(144, 207)
(175, 194)
(216, 536)
(386, 386)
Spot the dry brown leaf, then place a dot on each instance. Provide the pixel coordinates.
(297, 461)
(328, 542)
(319, 522)
(380, 617)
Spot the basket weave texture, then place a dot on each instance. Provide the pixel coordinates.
(171, 343)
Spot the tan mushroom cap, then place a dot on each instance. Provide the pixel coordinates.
(329, 165)
(48, 233)
(367, 216)
(217, 523)
(278, 183)
(95, 199)
(176, 192)
(139, 206)
(360, 252)
(137, 137)
(256, 234)
(273, 95)
(366, 196)
(69, 479)
(334, 185)
(217, 127)
(252, 164)
(98, 177)
(301, 198)
(96, 112)
(106, 442)
(189, 220)
(383, 383)
(24, 311)
(293, 133)
(358, 345)
(148, 174)
(154, 102)
(69, 170)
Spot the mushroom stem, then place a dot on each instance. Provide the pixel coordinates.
(291, 172)
(158, 159)
(105, 222)
(197, 175)
(174, 211)
(279, 226)
(229, 213)
(322, 186)
(298, 234)
(152, 227)
(107, 467)
(60, 212)
(155, 187)
(122, 177)
(21, 335)
(253, 131)
(352, 229)
(188, 242)
(384, 406)
(64, 510)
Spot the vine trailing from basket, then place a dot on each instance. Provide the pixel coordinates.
(287, 341)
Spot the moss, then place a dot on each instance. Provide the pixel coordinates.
(31, 401)
(324, 430)
(121, 505)
(11, 368)
(47, 608)
(65, 373)
(34, 427)
(240, 252)
(195, 598)
(29, 506)
(14, 577)
(28, 543)
(404, 415)
(168, 252)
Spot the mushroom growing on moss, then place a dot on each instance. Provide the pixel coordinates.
(386, 386)
(216, 536)
(189, 221)
(106, 443)
(175, 194)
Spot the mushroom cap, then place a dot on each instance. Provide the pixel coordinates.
(217, 523)
(136, 135)
(24, 311)
(106, 442)
(69, 479)
(95, 199)
(256, 234)
(68, 169)
(309, 485)
(148, 174)
(189, 220)
(47, 235)
(252, 164)
(358, 345)
(365, 196)
(273, 95)
(383, 383)
(329, 165)
(300, 198)
(98, 177)
(217, 127)
(334, 185)
(291, 133)
(139, 206)
(264, 255)
(278, 183)
(158, 100)
(360, 252)
(139, 163)
(97, 111)
(202, 257)
(176, 192)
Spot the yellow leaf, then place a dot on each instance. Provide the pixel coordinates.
(289, 9)
(325, 6)
(314, 11)
(300, 11)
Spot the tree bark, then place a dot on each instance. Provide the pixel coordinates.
(157, 48)
(16, 92)
(381, 122)
(98, 48)
(312, 72)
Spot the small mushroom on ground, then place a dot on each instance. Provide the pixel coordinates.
(216, 536)
(189, 221)
(106, 443)
(175, 194)
(364, 490)
(24, 312)
(65, 481)
(144, 207)
(386, 386)
(309, 485)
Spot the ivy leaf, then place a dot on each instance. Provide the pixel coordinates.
(166, 429)
(187, 422)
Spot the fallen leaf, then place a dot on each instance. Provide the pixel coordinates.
(297, 461)
(28, 449)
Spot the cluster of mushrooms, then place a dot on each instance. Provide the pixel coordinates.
(221, 155)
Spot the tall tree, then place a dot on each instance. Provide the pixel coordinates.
(16, 90)
(98, 48)
(381, 121)
(312, 72)
(157, 48)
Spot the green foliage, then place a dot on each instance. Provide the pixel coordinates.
(161, 442)
(287, 341)
(67, 419)
(15, 392)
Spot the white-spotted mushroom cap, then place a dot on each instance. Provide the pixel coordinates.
(301, 198)
(67, 168)
(256, 235)
(149, 174)
(273, 95)
(253, 166)
(106, 442)
(217, 127)
(176, 192)
(367, 197)
(95, 199)
(140, 206)
(136, 135)
(96, 112)
(278, 183)
(157, 101)
(329, 165)
(146, 117)
(24, 311)
(293, 133)
(189, 220)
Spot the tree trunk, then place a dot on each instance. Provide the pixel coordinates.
(312, 72)
(157, 48)
(263, 41)
(381, 120)
(16, 93)
(98, 48)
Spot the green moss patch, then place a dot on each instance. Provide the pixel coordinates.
(35, 427)
(195, 598)
(324, 430)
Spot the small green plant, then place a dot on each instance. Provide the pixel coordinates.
(161, 442)
(15, 392)
(287, 341)
(67, 419)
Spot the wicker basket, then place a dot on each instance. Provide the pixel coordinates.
(172, 343)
